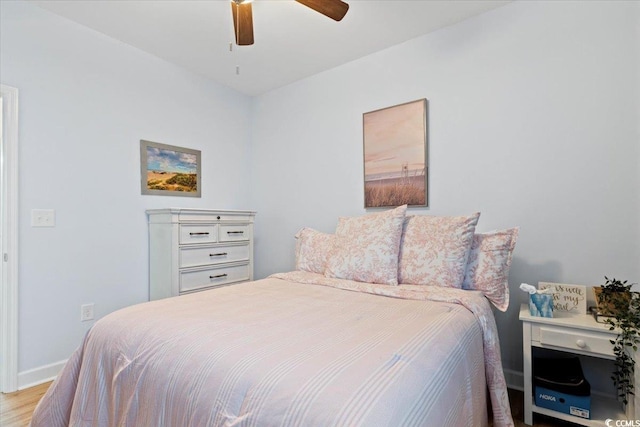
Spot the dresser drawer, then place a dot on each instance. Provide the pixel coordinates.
(576, 340)
(209, 255)
(199, 279)
(231, 233)
(194, 233)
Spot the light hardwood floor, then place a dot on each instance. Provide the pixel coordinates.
(16, 408)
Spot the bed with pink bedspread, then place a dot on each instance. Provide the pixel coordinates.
(386, 322)
(295, 349)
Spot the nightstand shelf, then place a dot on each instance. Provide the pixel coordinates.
(574, 334)
(602, 408)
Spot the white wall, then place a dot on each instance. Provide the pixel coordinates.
(637, 119)
(86, 100)
(533, 113)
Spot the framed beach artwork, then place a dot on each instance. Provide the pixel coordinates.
(395, 155)
(167, 170)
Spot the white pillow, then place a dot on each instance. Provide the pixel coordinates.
(312, 249)
(366, 247)
(489, 264)
(435, 249)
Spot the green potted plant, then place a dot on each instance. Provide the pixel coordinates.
(623, 308)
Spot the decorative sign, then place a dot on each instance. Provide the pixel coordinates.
(570, 298)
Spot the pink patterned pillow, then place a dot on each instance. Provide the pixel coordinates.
(312, 249)
(435, 249)
(367, 247)
(489, 263)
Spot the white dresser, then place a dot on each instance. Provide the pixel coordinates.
(192, 250)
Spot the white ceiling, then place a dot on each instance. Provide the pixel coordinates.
(291, 40)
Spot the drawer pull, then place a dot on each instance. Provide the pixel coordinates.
(203, 233)
(235, 232)
(218, 276)
(220, 254)
(581, 343)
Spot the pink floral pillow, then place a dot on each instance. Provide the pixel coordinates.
(435, 249)
(489, 263)
(312, 249)
(366, 248)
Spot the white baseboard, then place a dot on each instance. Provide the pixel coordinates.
(40, 375)
(514, 379)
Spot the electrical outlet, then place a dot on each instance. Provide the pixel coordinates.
(43, 218)
(86, 312)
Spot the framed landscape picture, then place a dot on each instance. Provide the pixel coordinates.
(168, 170)
(395, 155)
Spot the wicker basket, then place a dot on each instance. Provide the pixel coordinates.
(608, 302)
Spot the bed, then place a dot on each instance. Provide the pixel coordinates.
(294, 349)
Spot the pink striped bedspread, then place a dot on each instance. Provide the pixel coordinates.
(284, 351)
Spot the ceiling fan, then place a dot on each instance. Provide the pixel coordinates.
(243, 15)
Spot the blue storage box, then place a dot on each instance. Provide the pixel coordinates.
(579, 406)
(560, 385)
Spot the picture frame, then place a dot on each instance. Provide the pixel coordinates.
(168, 170)
(395, 147)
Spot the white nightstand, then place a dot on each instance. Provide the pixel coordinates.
(577, 334)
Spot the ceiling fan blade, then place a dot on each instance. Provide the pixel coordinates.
(242, 23)
(334, 9)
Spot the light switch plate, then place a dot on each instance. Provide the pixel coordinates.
(43, 218)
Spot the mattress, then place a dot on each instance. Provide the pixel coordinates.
(295, 349)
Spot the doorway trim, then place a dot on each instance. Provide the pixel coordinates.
(9, 244)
